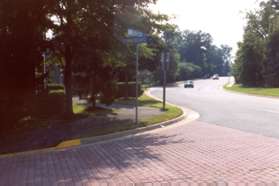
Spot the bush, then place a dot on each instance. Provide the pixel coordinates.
(54, 87)
(109, 93)
(147, 77)
(128, 90)
(11, 111)
(188, 71)
(49, 105)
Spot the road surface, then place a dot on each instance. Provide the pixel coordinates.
(247, 113)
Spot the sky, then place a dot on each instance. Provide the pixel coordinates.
(223, 19)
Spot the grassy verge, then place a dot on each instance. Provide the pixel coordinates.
(86, 123)
(260, 91)
(79, 108)
(170, 113)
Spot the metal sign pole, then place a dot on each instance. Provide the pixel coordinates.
(165, 59)
(163, 63)
(138, 38)
(44, 71)
(164, 89)
(137, 84)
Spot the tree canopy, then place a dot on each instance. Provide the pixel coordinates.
(256, 61)
(84, 38)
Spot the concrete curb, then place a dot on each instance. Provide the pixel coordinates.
(76, 143)
(133, 131)
(191, 115)
(188, 116)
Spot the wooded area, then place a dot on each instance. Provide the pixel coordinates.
(84, 38)
(257, 60)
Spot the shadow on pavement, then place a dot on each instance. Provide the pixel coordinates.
(96, 162)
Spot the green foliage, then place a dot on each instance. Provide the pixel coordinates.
(86, 41)
(192, 55)
(188, 71)
(147, 77)
(109, 92)
(22, 27)
(49, 106)
(127, 90)
(256, 62)
(87, 44)
(272, 61)
(252, 61)
(198, 48)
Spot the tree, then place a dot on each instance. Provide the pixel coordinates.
(22, 32)
(195, 47)
(256, 58)
(188, 71)
(251, 66)
(272, 61)
(94, 25)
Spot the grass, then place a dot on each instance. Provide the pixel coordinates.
(56, 89)
(50, 131)
(171, 112)
(261, 91)
(79, 108)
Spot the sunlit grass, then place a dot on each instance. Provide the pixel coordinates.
(254, 90)
(171, 112)
(79, 108)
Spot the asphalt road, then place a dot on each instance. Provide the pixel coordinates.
(216, 106)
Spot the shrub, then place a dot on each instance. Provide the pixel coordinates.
(128, 90)
(55, 87)
(49, 105)
(109, 93)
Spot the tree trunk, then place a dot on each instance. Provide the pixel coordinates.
(68, 81)
(127, 84)
(93, 101)
(93, 98)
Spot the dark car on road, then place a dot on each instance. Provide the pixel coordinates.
(189, 84)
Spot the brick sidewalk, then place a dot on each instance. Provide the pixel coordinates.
(193, 154)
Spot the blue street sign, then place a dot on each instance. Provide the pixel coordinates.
(136, 37)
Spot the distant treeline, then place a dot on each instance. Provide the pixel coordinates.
(199, 57)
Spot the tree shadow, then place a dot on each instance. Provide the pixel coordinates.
(52, 133)
(101, 162)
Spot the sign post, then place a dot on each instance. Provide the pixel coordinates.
(44, 72)
(165, 59)
(137, 84)
(137, 38)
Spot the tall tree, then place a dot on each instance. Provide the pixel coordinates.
(81, 21)
(256, 57)
(22, 32)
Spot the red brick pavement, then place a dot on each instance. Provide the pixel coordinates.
(194, 154)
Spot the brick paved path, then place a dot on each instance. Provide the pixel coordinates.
(193, 154)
